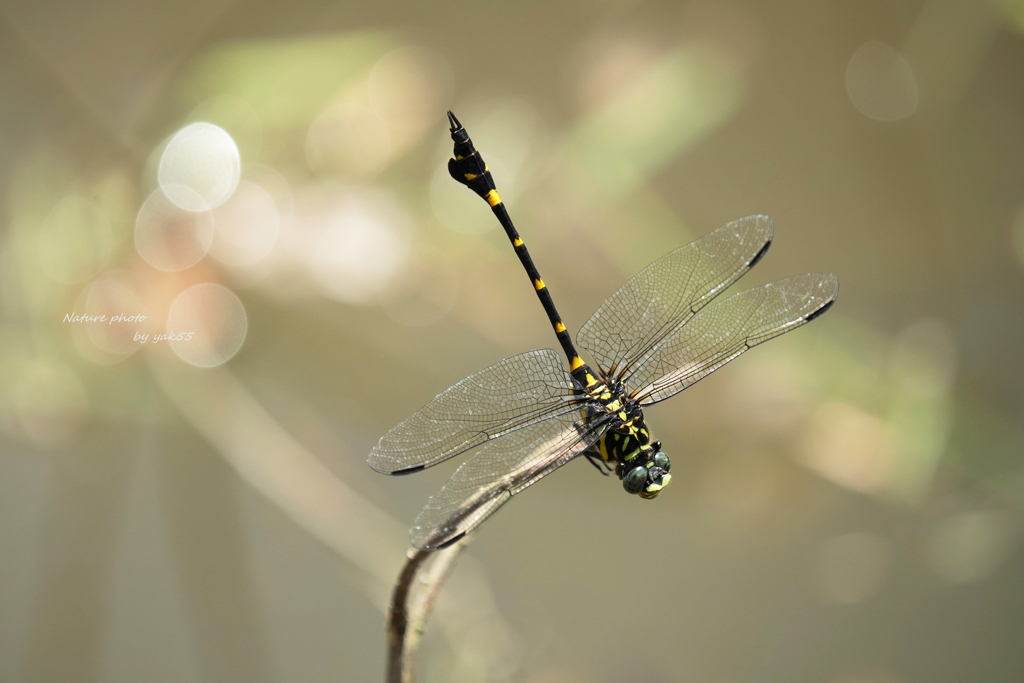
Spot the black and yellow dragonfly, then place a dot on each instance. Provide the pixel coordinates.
(658, 334)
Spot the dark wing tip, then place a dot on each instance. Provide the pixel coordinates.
(450, 542)
(385, 465)
(820, 312)
(436, 539)
(756, 227)
(760, 255)
(830, 280)
(407, 470)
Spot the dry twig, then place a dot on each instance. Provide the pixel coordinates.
(411, 605)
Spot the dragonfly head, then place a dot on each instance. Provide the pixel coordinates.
(647, 479)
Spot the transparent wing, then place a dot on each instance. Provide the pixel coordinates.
(665, 294)
(504, 397)
(724, 330)
(499, 470)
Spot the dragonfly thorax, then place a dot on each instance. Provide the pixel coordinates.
(638, 462)
(642, 467)
(610, 396)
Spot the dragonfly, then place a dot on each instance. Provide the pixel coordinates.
(528, 415)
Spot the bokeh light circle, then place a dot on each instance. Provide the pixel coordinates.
(75, 240)
(423, 290)
(409, 86)
(848, 446)
(170, 238)
(607, 65)
(111, 296)
(207, 325)
(853, 567)
(353, 242)
(511, 129)
(236, 116)
(246, 226)
(50, 403)
(970, 546)
(881, 82)
(350, 140)
(460, 209)
(199, 167)
(277, 186)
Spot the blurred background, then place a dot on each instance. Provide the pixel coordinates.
(270, 178)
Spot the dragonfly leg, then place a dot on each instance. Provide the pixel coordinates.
(598, 462)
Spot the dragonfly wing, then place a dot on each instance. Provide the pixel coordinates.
(499, 470)
(518, 391)
(726, 329)
(668, 292)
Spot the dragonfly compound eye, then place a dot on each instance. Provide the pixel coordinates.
(635, 480)
(661, 460)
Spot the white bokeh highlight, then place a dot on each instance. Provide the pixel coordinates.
(170, 238)
(353, 242)
(246, 226)
(200, 167)
(212, 321)
(881, 82)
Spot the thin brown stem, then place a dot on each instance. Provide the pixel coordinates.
(411, 606)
